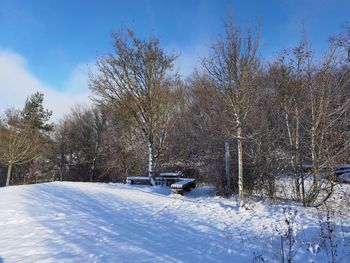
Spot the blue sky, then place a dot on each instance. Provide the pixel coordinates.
(53, 41)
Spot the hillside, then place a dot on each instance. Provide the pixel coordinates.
(86, 222)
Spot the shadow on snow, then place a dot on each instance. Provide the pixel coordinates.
(103, 227)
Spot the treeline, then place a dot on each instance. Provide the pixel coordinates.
(277, 118)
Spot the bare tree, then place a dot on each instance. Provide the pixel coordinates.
(343, 41)
(233, 66)
(197, 142)
(327, 93)
(20, 144)
(314, 101)
(289, 94)
(81, 142)
(62, 147)
(136, 79)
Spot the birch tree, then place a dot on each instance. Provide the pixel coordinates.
(233, 66)
(288, 83)
(314, 101)
(328, 100)
(137, 79)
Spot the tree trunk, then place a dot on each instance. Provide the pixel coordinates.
(296, 176)
(9, 169)
(240, 166)
(227, 163)
(303, 190)
(297, 150)
(314, 159)
(92, 169)
(90, 177)
(293, 135)
(150, 160)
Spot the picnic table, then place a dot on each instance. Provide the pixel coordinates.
(168, 178)
(173, 179)
(138, 180)
(185, 185)
(164, 179)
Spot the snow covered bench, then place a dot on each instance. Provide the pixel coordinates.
(164, 179)
(185, 185)
(144, 180)
(168, 178)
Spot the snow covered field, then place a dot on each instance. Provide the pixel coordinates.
(91, 222)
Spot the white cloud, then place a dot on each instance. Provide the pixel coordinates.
(77, 81)
(189, 58)
(17, 83)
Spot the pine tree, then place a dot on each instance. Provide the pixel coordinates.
(35, 114)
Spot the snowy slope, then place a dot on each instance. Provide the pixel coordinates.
(85, 222)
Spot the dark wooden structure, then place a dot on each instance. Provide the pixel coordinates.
(183, 186)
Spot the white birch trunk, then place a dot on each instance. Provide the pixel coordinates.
(150, 161)
(297, 158)
(314, 156)
(240, 166)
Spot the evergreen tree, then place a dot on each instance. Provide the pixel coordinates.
(35, 114)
